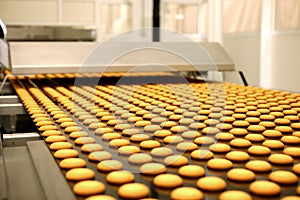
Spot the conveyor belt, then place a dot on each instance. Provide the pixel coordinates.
(215, 107)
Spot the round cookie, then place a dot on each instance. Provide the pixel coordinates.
(211, 183)
(219, 164)
(99, 156)
(88, 148)
(234, 195)
(55, 138)
(237, 156)
(51, 132)
(161, 152)
(84, 140)
(280, 159)
(120, 177)
(109, 165)
(273, 144)
(191, 171)
(162, 133)
(259, 150)
(78, 134)
(167, 181)
(149, 144)
(240, 143)
(176, 161)
(223, 136)
(139, 137)
(184, 193)
(292, 151)
(240, 175)
(296, 168)
(264, 188)
(128, 150)
(272, 133)
(133, 191)
(190, 134)
(173, 139)
(140, 158)
(283, 177)
(65, 153)
(102, 131)
(291, 197)
(112, 136)
(88, 188)
(130, 132)
(202, 154)
(238, 131)
(186, 146)
(80, 174)
(101, 197)
(204, 140)
(118, 142)
(153, 169)
(256, 128)
(60, 145)
(258, 166)
(290, 139)
(70, 163)
(219, 148)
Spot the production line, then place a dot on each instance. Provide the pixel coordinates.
(161, 135)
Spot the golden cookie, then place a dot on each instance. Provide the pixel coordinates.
(219, 164)
(140, 158)
(176, 161)
(259, 150)
(149, 144)
(211, 183)
(237, 156)
(283, 177)
(133, 191)
(88, 188)
(162, 133)
(202, 154)
(264, 188)
(128, 150)
(280, 159)
(99, 156)
(184, 193)
(272, 133)
(109, 165)
(80, 174)
(186, 146)
(152, 169)
(167, 181)
(191, 171)
(273, 144)
(84, 140)
(161, 152)
(139, 137)
(234, 195)
(290, 139)
(88, 148)
(120, 177)
(241, 175)
(173, 139)
(70, 163)
(51, 132)
(219, 148)
(241, 143)
(65, 153)
(101, 197)
(78, 134)
(118, 142)
(60, 145)
(55, 138)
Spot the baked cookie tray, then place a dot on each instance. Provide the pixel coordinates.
(116, 94)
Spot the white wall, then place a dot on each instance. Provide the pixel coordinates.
(244, 50)
(285, 58)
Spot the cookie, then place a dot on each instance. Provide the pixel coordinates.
(190, 134)
(186, 146)
(84, 140)
(223, 136)
(292, 151)
(273, 144)
(238, 131)
(191, 171)
(162, 133)
(78, 134)
(99, 156)
(118, 142)
(202, 154)
(128, 150)
(176, 161)
(109, 165)
(120, 177)
(219, 148)
(268, 124)
(88, 148)
(264, 188)
(283, 177)
(240, 143)
(173, 139)
(51, 132)
(139, 137)
(88, 188)
(133, 191)
(60, 145)
(183, 193)
(237, 156)
(152, 169)
(284, 129)
(290, 139)
(80, 174)
(280, 159)
(256, 128)
(179, 129)
(272, 133)
(161, 152)
(130, 132)
(259, 150)
(149, 144)
(70, 163)
(167, 181)
(140, 158)
(102, 131)
(258, 166)
(55, 138)
(168, 124)
(210, 131)
(101, 197)
(65, 153)
(234, 195)
(240, 175)
(211, 184)
(219, 164)
(112, 136)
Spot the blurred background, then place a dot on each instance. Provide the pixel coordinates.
(262, 36)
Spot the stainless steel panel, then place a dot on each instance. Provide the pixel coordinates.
(70, 57)
(19, 139)
(9, 99)
(12, 109)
